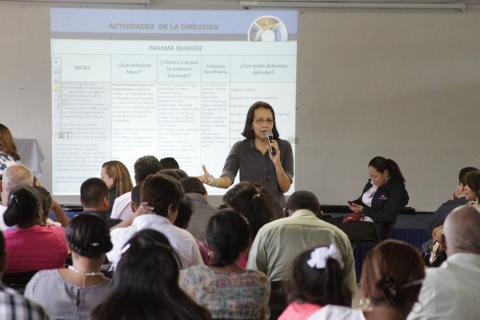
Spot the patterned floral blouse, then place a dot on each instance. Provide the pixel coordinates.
(6, 161)
(228, 295)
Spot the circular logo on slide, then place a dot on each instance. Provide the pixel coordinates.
(267, 29)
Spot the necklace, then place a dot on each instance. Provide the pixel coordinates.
(85, 274)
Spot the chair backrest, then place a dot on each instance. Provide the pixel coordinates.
(278, 299)
(18, 280)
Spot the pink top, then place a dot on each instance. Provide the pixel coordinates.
(298, 311)
(35, 248)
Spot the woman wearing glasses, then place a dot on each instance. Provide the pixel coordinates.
(269, 164)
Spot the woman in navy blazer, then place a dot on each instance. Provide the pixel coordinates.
(384, 196)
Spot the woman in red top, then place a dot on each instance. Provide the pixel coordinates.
(29, 245)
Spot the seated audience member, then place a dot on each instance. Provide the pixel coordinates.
(31, 246)
(8, 149)
(135, 198)
(279, 242)
(438, 217)
(225, 289)
(392, 275)
(94, 199)
(382, 199)
(73, 292)
(14, 176)
(195, 190)
(472, 195)
(472, 190)
(13, 306)
(255, 204)
(117, 178)
(143, 167)
(317, 281)
(146, 284)
(434, 254)
(161, 196)
(185, 212)
(451, 291)
(169, 163)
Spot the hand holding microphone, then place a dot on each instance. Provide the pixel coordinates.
(271, 148)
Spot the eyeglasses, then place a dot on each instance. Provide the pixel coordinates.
(262, 121)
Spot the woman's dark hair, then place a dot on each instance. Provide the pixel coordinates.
(146, 237)
(146, 286)
(253, 202)
(45, 199)
(228, 235)
(392, 273)
(463, 174)
(381, 164)
(177, 174)
(23, 208)
(7, 144)
(88, 235)
(318, 286)
(160, 191)
(185, 212)
(193, 185)
(472, 180)
(247, 130)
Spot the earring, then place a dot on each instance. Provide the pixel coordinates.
(364, 304)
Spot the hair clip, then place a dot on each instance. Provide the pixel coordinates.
(319, 256)
(125, 248)
(94, 244)
(256, 195)
(389, 288)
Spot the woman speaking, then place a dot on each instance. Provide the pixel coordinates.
(262, 157)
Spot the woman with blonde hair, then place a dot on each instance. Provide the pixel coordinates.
(8, 150)
(117, 178)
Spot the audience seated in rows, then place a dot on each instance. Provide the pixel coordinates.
(94, 199)
(29, 245)
(279, 242)
(142, 168)
(73, 292)
(13, 306)
(14, 176)
(146, 283)
(451, 291)
(227, 290)
(195, 190)
(117, 178)
(391, 278)
(317, 280)
(162, 194)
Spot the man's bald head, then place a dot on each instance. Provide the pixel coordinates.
(462, 230)
(14, 176)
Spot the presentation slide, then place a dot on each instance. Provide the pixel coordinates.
(128, 83)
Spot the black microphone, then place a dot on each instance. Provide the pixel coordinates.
(271, 149)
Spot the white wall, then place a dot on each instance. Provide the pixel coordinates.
(405, 85)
